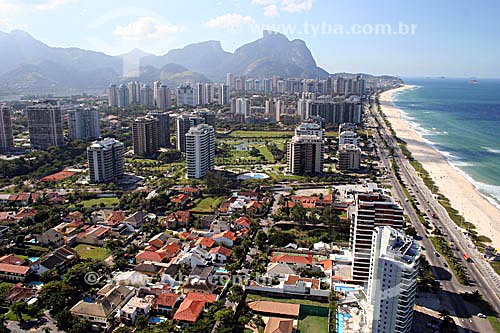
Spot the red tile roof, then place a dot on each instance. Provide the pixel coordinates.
(293, 279)
(226, 234)
(327, 264)
(170, 249)
(14, 269)
(191, 307)
(293, 259)
(151, 256)
(207, 242)
(181, 198)
(243, 222)
(166, 299)
(11, 259)
(115, 218)
(222, 250)
(191, 190)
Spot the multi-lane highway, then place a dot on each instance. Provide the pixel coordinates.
(450, 287)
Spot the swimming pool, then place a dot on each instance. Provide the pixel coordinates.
(156, 320)
(344, 288)
(253, 175)
(33, 259)
(341, 317)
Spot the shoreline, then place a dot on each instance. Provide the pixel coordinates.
(453, 183)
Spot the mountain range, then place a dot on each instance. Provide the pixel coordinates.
(28, 66)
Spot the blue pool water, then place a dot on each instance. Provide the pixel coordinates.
(342, 288)
(340, 321)
(252, 175)
(156, 320)
(33, 259)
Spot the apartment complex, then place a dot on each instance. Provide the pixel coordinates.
(183, 124)
(349, 157)
(6, 135)
(370, 210)
(145, 136)
(163, 127)
(305, 155)
(105, 160)
(83, 124)
(45, 125)
(392, 285)
(200, 151)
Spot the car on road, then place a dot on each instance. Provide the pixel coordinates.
(481, 315)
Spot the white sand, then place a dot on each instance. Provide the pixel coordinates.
(462, 194)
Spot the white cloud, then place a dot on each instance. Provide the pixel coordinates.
(228, 20)
(292, 6)
(272, 11)
(146, 28)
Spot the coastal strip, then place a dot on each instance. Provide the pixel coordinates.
(463, 195)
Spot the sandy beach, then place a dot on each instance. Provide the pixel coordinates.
(462, 194)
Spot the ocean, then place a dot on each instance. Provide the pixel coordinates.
(461, 120)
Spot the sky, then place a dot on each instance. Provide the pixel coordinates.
(426, 38)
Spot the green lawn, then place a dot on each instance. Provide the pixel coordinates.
(91, 252)
(251, 298)
(207, 204)
(265, 152)
(312, 319)
(332, 134)
(108, 202)
(261, 134)
(11, 316)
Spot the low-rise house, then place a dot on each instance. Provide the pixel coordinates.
(278, 325)
(170, 250)
(131, 278)
(220, 254)
(299, 285)
(148, 268)
(136, 219)
(205, 243)
(15, 273)
(226, 238)
(150, 256)
(26, 213)
(100, 312)
(164, 303)
(11, 259)
(192, 191)
(205, 221)
(159, 240)
(275, 309)
(194, 257)
(94, 235)
(135, 307)
(60, 258)
(192, 306)
(199, 286)
(279, 270)
(294, 261)
(56, 236)
(219, 226)
(177, 220)
(169, 275)
(181, 200)
(115, 218)
(19, 293)
(243, 222)
(201, 273)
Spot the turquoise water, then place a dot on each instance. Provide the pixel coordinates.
(342, 288)
(340, 321)
(462, 121)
